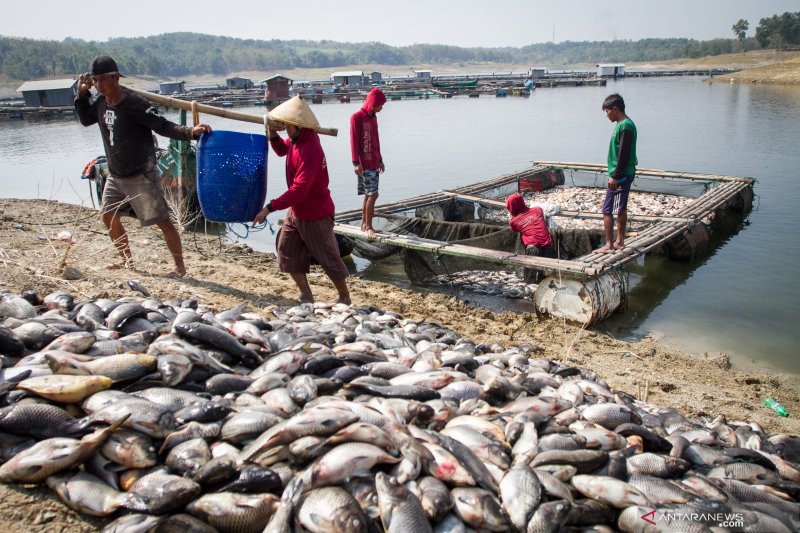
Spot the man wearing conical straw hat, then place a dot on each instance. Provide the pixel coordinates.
(308, 227)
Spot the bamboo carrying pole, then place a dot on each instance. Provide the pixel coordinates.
(219, 112)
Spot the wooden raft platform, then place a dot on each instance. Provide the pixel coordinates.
(661, 229)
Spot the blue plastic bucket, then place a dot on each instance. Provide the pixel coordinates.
(231, 175)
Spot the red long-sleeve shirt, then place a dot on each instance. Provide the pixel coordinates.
(306, 177)
(528, 222)
(365, 145)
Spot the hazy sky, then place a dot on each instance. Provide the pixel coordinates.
(460, 23)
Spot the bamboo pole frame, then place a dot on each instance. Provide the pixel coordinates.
(177, 103)
(592, 167)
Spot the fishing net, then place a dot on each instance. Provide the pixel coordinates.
(464, 223)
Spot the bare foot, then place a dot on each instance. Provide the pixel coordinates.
(607, 249)
(345, 301)
(306, 299)
(371, 233)
(175, 274)
(619, 246)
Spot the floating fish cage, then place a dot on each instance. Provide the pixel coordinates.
(451, 231)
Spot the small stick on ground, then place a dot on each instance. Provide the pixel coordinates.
(623, 352)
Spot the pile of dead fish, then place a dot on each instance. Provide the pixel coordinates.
(492, 282)
(338, 418)
(590, 200)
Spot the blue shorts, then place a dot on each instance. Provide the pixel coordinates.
(616, 201)
(368, 182)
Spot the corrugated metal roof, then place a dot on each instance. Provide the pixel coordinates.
(46, 85)
(275, 77)
(347, 73)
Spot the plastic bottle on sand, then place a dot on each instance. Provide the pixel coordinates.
(775, 406)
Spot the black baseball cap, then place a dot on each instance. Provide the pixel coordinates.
(104, 65)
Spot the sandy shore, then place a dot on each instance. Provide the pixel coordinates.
(31, 255)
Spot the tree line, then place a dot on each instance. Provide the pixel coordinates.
(182, 53)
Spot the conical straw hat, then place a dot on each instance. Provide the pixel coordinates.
(295, 112)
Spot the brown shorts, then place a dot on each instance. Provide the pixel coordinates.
(301, 239)
(140, 196)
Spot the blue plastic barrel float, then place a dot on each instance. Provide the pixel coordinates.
(231, 175)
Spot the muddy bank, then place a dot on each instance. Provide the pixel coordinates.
(224, 276)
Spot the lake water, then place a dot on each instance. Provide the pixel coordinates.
(742, 299)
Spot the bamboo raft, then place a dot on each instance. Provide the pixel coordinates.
(586, 288)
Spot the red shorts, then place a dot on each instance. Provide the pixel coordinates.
(301, 239)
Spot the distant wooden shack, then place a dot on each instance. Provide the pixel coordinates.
(277, 87)
(237, 82)
(172, 87)
(611, 70)
(351, 78)
(49, 93)
(423, 74)
(537, 73)
(375, 77)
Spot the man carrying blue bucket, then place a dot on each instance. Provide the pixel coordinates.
(127, 122)
(308, 227)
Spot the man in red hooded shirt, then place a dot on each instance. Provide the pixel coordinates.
(365, 146)
(532, 227)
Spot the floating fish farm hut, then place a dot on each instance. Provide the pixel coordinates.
(466, 228)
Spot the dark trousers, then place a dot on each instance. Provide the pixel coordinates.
(534, 275)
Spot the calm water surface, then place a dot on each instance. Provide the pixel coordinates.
(741, 300)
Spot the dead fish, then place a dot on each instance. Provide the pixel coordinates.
(317, 421)
(188, 457)
(400, 510)
(59, 300)
(133, 523)
(124, 312)
(660, 491)
(122, 367)
(584, 460)
(281, 519)
(330, 509)
(39, 420)
(253, 478)
(174, 368)
(219, 339)
(346, 461)
(51, 456)
(480, 509)
(163, 491)
(190, 431)
(520, 492)
(141, 415)
(65, 388)
(35, 335)
(10, 343)
(434, 495)
(75, 342)
(610, 415)
(651, 464)
(16, 307)
(609, 490)
(227, 511)
(138, 287)
(549, 517)
(88, 494)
